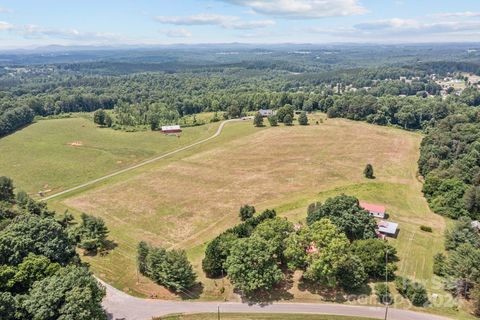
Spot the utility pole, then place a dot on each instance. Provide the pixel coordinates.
(218, 312)
(386, 284)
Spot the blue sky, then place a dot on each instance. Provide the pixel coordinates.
(30, 23)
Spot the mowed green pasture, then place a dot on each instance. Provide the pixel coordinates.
(52, 155)
(185, 200)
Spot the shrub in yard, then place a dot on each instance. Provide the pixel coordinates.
(426, 228)
(383, 293)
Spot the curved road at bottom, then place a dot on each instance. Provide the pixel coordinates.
(121, 306)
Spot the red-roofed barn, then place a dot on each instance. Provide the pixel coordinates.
(376, 210)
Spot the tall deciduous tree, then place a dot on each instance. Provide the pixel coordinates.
(34, 234)
(6, 190)
(71, 293)
(251, 265)
(373, 253)
(344, 211)
(330, 251)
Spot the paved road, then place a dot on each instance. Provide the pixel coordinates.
(141, 164)
(119, 305)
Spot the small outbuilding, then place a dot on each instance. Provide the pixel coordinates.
(376, 210)
(387, 228)
(267, 112)
(171, 129)
(476, 224)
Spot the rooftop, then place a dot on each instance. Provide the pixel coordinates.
(377, 208)
(388, 227)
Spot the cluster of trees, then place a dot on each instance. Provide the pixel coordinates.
(254, 253)
(91, 234)
(169, 268)
(41, 277)
(153, 99)
(414, 291)
(450, 163)
(461, 266)
(218, 249)
(15, 118)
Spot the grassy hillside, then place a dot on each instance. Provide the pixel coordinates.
(56, 154)
(185, 200)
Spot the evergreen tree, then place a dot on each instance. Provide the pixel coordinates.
(99, 117)
(368, 171)
(273, 121)
(288, 120)
(246, 212)
(258, 120)
(303, 119)
(6, 190)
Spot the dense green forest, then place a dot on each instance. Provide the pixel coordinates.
(149, 88)
(144, 93)
(41, 275)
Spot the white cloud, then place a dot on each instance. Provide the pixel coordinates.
(298, 9)
(227, 22)
(177, 33)
(409, 25)
(466, 14)
(5, 26)
(5, 10)
(389, 24)
(36, 32)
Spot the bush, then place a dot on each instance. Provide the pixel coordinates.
(273, 121)
(368, 171)
(247, 212)
(439, 264)
(303, 119)
(258, 120)
(414, 291)
(426, 228)
(383, 293)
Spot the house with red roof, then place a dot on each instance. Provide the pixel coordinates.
(376, 210)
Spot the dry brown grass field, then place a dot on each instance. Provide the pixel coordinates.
(186, 201)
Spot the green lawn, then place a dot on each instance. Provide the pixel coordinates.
(57, 154)
(246, 316)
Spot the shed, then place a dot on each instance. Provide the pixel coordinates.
(389, 228)
(476, 224)
(376, 210)
(171, 129)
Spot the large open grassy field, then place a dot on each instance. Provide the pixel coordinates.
(185, 200)
(52, 155)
